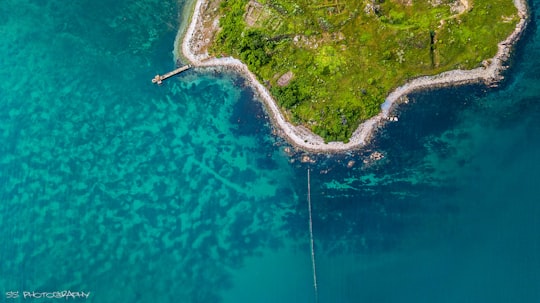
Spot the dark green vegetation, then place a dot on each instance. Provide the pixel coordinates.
(347, 55)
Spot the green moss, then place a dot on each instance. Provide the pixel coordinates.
(348, 55)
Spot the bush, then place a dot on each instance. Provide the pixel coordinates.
(290, 95)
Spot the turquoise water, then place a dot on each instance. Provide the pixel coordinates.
(180, 193)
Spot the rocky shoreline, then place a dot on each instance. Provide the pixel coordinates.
(303, 138)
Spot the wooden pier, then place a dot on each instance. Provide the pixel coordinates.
(159, 79)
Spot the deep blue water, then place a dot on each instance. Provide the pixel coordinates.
(180, 193)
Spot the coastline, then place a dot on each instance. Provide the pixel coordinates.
(303, 138)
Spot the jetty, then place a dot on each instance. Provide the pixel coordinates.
(159, 78)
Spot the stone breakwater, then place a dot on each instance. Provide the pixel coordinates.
(302, 137)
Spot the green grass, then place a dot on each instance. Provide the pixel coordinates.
(347, 58)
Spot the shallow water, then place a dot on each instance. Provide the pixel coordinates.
(140, 193)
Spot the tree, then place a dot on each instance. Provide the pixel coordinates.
(255, 48)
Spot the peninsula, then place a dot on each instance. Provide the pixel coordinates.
(329, 71)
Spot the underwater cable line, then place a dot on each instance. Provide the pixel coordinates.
(311, 240)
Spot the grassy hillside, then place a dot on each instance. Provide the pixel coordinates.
(331, 63)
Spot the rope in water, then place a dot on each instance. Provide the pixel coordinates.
(312, 242)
